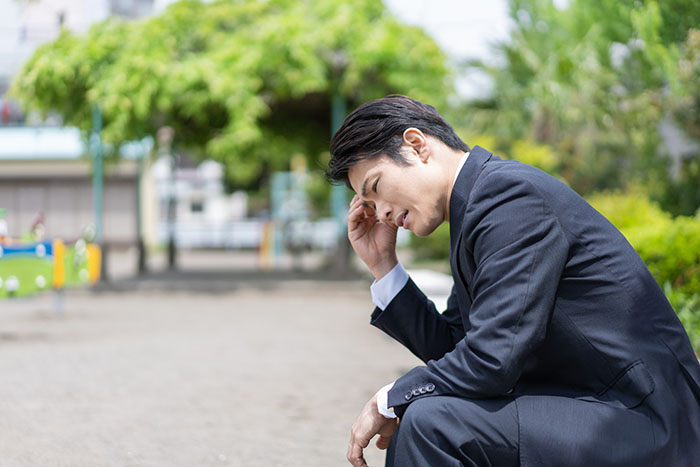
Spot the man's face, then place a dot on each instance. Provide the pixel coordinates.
(409, 196)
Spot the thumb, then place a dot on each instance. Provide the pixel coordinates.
(386, 432)
(383, 442)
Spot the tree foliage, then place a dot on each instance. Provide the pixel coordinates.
(592, 81)
(245, 82)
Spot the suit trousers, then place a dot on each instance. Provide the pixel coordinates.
(450, 431)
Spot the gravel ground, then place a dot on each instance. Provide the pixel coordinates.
(263, 376)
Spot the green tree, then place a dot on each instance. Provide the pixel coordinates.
(592, 81)
(244, 82)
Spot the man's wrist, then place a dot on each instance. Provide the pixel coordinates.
(382, 399)
(383, 291)
(382, 269)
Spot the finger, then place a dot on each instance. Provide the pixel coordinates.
(355, 457)
(383, 442)
(350, 455)
(389, 428)
(355, 201)
(361, 216)
(355, 448)
(356, 212)
(355, 217)
(357, 208)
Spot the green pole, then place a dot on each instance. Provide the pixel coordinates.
(141, 266)
(339, 198)
(97, 172)
(338, 192)
(98, 186)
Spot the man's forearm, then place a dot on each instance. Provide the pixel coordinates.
(412, 320)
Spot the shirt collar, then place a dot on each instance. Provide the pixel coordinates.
(459, 167)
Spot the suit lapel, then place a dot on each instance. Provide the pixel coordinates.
(461, 191)
(458, 205)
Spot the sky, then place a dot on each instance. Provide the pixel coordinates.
(464, 29)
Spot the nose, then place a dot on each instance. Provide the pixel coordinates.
(384, 212)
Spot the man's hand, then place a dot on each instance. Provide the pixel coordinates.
(373, 241)
(369, 423)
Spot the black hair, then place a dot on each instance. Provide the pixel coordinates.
(376, 127)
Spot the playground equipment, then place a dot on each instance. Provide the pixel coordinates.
(31, 267)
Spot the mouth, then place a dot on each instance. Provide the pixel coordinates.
(401, 221)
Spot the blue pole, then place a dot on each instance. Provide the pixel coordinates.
(97, 172)
(338, 192)
(339, 195)
(98, 186)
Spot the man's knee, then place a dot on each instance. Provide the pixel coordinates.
(453, 430)
(431, 432)
(437, 416)
(430, 416)
(415, 415)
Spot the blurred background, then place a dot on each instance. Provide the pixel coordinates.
(175, 149)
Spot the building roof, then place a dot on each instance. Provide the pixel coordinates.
(23, 143)
(40, 143)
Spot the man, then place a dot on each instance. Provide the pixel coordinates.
(557, 347)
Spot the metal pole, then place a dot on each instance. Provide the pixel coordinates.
(139, 212)
(165, 145)
(278, 189)
(98, 186)
(172, 213)
(339, 199)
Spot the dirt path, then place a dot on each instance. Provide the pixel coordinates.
(258, 377)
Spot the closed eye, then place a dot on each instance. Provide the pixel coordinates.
(376, 184)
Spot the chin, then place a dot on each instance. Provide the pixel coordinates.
(425, 230)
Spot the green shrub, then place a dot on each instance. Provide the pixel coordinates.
(688, 310)
(672, 254)
(537, 155)
(629, 210)
(670, 247)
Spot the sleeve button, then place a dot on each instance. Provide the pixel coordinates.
(430, 387)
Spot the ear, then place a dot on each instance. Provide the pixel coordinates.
(417, 143)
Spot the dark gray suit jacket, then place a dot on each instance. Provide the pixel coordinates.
(552, 307)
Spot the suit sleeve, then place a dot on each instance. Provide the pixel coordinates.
(519, 249)
(412, 319)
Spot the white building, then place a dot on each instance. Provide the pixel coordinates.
(205, 215)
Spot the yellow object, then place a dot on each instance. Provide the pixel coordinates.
(59, 264)
(94, 258)
(265, 249)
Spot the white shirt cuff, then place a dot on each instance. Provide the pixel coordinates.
(385, 289)
(383, 402)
